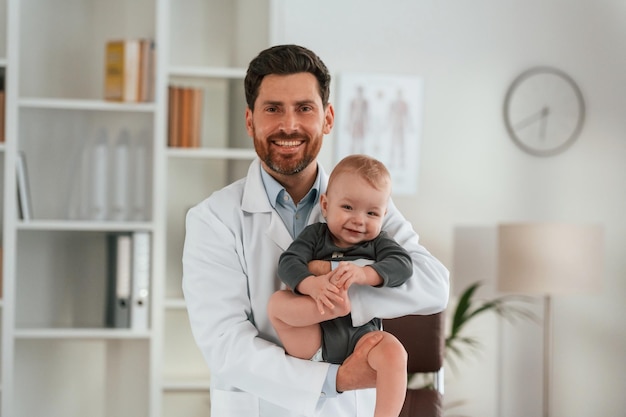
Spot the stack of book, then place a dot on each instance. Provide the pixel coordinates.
(129, 70)
(184, 116)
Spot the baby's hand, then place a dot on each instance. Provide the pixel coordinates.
(348, 273)
(325, 293)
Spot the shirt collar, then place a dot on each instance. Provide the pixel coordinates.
(274, 189)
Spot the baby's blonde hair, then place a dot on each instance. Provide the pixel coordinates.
(370, 169)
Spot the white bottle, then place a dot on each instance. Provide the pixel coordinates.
(99, 158)
(121, 178)
(140, 186)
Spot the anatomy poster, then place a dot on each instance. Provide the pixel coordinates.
(381, 116)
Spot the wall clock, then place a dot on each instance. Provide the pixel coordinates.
(544, 111)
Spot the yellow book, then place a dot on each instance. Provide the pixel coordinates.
(122, 66)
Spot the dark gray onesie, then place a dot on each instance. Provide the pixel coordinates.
(391, 261)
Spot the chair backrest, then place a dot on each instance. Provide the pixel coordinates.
(423, 337)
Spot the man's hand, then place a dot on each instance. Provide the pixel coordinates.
(355, 372)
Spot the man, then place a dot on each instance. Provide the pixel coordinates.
(234, 240)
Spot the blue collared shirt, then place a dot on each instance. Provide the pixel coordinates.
(294, 216)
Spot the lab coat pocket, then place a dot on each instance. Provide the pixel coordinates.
(233, 404)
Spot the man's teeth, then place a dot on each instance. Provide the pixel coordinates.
(288, 143)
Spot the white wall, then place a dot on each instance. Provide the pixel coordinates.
(471, 173)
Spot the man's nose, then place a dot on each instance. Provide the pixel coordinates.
(289, 122)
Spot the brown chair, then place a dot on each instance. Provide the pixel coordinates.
(423, 338)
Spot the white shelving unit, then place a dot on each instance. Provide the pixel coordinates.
(57, 356)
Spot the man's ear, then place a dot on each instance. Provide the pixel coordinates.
(249, 125)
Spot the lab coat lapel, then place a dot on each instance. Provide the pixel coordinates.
(278, 232)
(255, 201)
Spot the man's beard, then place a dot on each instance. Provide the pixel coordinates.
(288, 166)
(287, 169)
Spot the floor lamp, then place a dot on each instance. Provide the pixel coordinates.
(549, 259)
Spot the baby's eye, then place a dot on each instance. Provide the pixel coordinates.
(346, 207)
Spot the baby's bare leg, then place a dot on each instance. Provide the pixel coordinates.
(296, 321)
(389, 359)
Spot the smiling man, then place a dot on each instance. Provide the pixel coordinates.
(234, 240)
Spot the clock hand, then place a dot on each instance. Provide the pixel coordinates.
(527, 121)
(544, 122)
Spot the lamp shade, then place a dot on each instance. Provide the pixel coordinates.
(549, 258)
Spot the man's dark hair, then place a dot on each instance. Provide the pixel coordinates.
(285, 60)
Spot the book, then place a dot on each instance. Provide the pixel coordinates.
(195, 117)
(122, 67)
(173, 111)
(184, 125)
(23, 188)
(146, 70)
(185, 116)
(139, 313)
(119, 261)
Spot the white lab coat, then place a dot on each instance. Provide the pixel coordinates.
(233, 241)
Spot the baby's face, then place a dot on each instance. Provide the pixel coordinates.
(354, 209)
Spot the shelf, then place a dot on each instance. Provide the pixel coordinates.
(97, 334)
(83, 226)
(208, 72)
(186, 385)
(95, 105)
(212, 153)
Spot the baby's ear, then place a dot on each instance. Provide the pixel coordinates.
(323, 204)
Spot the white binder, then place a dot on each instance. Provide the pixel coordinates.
(140, 304)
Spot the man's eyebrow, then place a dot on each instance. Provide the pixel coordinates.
(307, 102)
(273, 102)
(304, 102)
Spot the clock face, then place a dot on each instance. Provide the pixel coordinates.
(544, 111)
